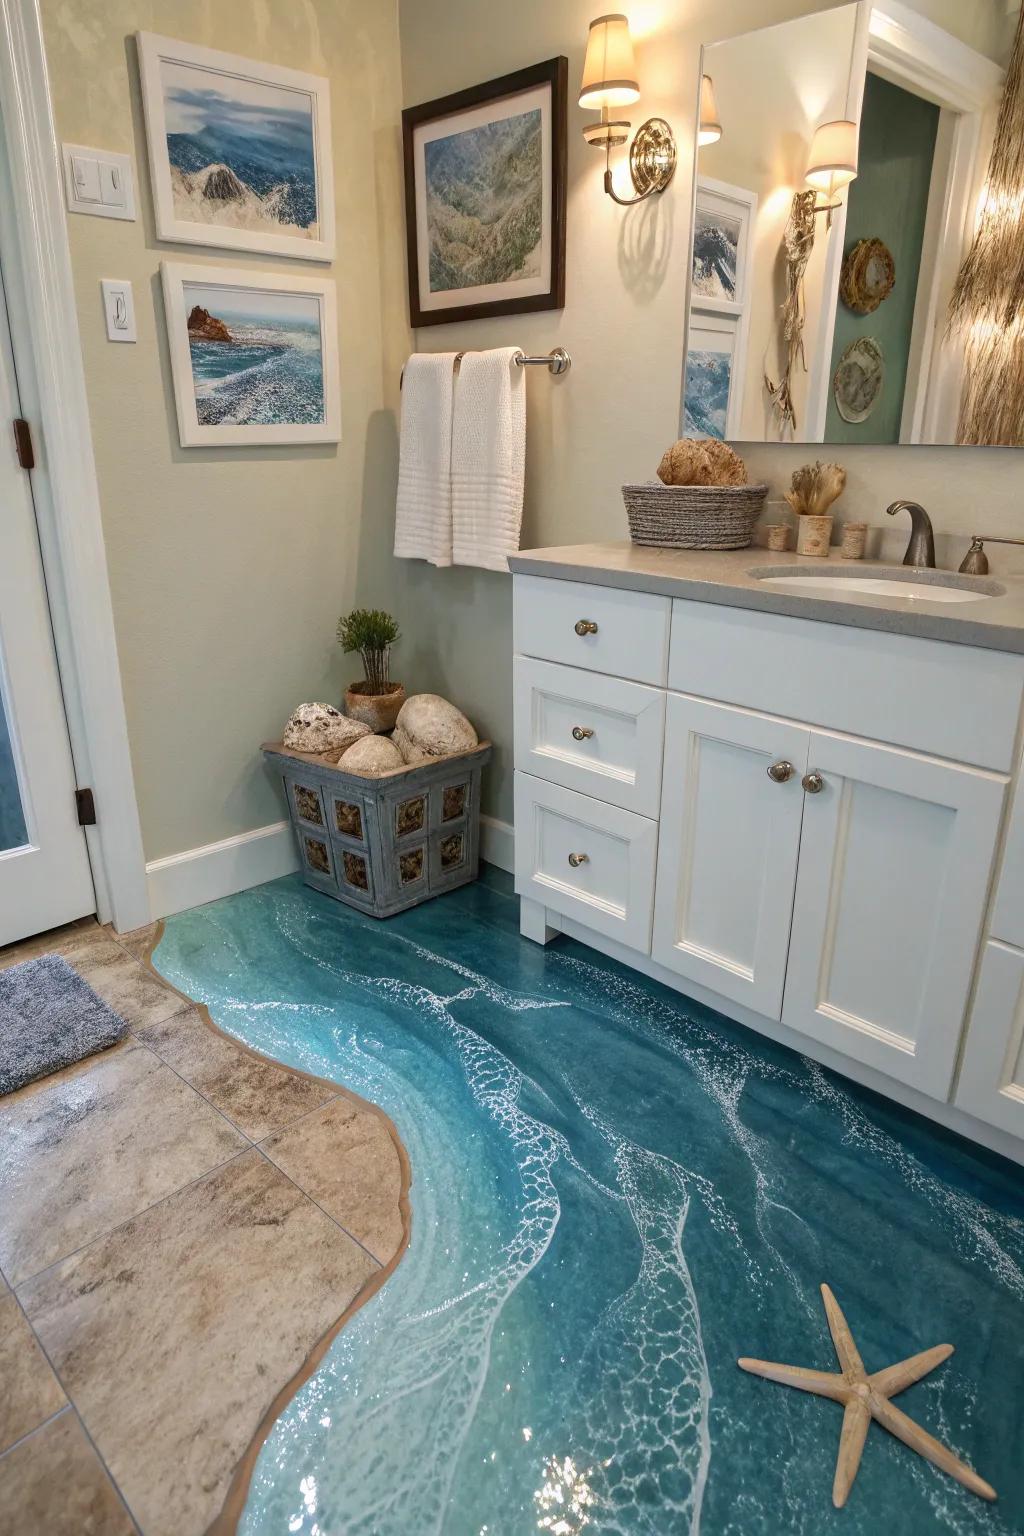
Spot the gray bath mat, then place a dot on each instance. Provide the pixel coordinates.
(49, 1018)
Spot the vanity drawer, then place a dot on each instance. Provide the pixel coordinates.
(600, 735)
(953, 701)
(612, 888)
(629, 637)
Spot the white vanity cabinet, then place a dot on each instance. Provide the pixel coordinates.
(798, 822)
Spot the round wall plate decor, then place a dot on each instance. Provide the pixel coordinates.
(868, 276)
(859, 379)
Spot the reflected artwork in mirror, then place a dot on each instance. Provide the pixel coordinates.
(834, 207)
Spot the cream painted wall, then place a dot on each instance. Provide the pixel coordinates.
(611, 417)
(229, 568)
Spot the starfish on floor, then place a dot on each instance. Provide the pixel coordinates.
(867, 1397)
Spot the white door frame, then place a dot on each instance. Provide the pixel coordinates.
(910, 51)
(44, 324)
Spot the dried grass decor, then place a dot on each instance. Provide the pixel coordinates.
(987, 306)
(797, 244)
(815, 487)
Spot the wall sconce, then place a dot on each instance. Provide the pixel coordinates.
(833, 162)
(609, 80)
(709, 130)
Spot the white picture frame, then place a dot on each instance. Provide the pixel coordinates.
(730, 211)
(279, 182)
(713, 359)
(272, 320)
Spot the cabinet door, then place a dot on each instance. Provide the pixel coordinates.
(728, 849)
(991, 1082)
(895, 861)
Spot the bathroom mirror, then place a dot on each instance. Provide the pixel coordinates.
(841, 159)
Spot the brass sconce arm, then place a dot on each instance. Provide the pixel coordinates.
(652, 162)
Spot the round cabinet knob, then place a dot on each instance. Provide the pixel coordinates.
(781, 773)
(576, 859)
(581, 733)
(585, 627)
(813, 782)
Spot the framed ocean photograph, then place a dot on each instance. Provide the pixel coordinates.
(254, 356)
(239, 151)
(723, 226)
(485, 179)
(713, 381)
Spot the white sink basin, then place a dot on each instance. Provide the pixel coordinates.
(948, 589)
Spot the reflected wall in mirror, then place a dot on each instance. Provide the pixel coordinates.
(840, 165)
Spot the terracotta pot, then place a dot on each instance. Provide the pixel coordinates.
(377, 710)
(814, 535)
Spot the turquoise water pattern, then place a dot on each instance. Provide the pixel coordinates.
(271, 374)
(615, 1193)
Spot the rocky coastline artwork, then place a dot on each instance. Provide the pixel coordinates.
(256, 356)
(241, 152)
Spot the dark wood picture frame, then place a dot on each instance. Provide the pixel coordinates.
(553, 73)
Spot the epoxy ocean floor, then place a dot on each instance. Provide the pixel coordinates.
(615, 1193)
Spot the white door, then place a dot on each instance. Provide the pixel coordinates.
(44, 864)
(730, 836)
(991, 1082)
(895, 860)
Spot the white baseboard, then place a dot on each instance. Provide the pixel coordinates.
(199, 875)
(497, 843)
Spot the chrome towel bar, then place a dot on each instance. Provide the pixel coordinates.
(557, 361)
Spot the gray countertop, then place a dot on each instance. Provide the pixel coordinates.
(727, 578)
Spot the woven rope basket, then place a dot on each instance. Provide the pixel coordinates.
(693, 516)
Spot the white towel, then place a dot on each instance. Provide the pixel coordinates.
(488, 458)
(423, 517)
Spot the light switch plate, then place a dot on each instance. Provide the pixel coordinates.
(119, 309)
(99, 182)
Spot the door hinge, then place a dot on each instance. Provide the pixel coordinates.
(23, 443)
(86, 807)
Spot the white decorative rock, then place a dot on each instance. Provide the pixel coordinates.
(428, 726)
(322, 728)
(372, 756)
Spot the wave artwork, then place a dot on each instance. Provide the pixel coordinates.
(256, 358)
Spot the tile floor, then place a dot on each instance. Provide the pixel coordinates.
(192, 1194)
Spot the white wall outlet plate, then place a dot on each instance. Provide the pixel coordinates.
(98, 181)
(119, 309)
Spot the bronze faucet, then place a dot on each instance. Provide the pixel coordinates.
(921, 548)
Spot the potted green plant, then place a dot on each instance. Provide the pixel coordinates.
(375, 700)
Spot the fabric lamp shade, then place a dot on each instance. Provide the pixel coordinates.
(833, 158)
(609, 72)
(710, 129)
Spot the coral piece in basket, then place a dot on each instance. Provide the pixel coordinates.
(701, 461)
(321, 728)
(429, 726)
(371, 755)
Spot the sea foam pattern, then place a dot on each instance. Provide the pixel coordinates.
(615, 1193)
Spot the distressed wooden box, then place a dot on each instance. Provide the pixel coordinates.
(387, 843)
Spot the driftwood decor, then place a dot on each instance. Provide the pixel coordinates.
(797, 245)
(987, 306)
(868, 276)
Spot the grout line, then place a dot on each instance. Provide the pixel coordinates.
(312, 1201)
(73, 1407)
(65, 1407)
(109, 1232)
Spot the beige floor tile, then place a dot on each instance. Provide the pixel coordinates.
(138, 941)
(173, 1334)
(86, 932)
(30, 1392)
(55, 1483)
(126, 984)
(344, 1157)
(257, 1096)
(90, 1146)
